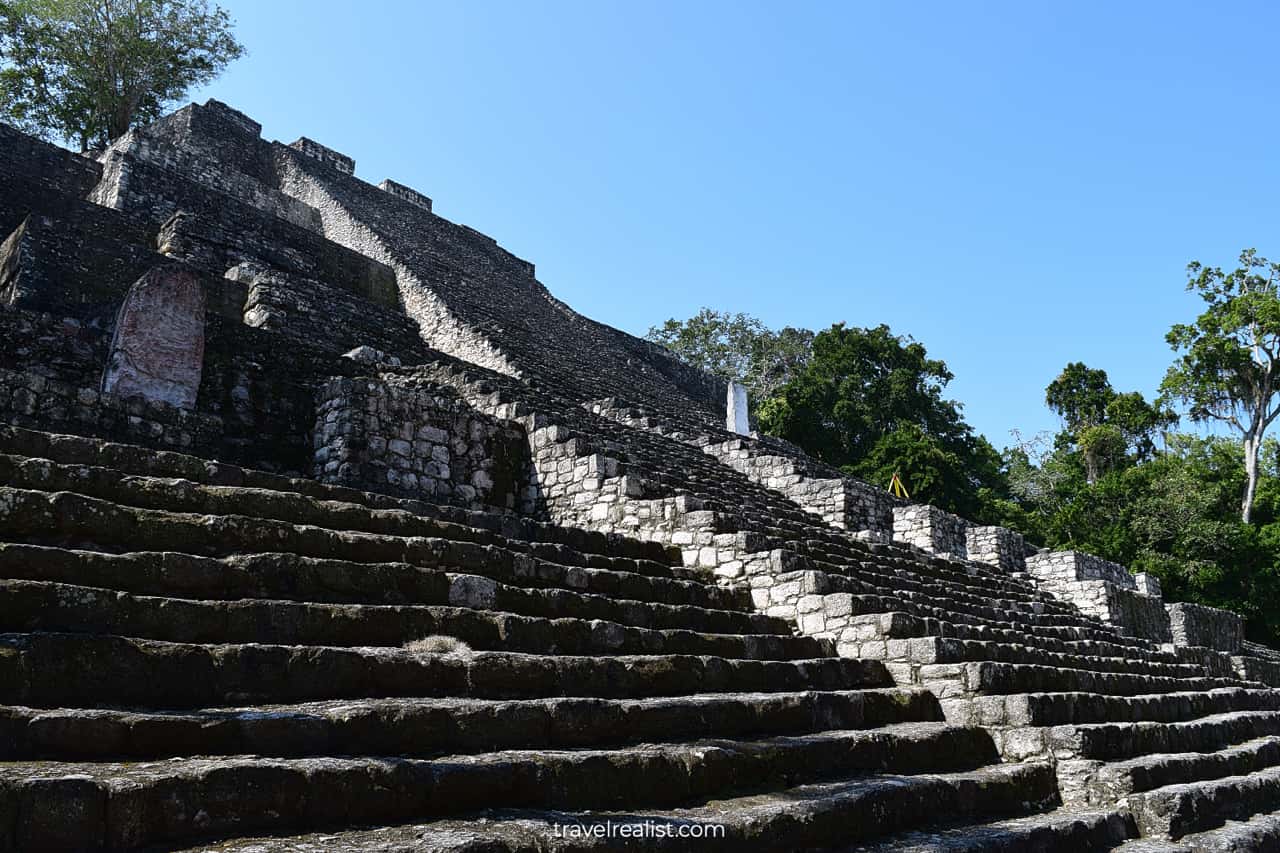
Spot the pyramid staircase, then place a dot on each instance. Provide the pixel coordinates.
(195, 653)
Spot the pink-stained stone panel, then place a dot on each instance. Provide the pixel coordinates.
(157, 351)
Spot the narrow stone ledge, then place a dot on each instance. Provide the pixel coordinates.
(407, 193)
(324, 154)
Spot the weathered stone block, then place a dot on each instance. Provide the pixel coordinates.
(325, 155)
(1147, 584)
(736, 417)
(1057, 566)
(157, 351)
(997, 546)
(1198, 625)
(407, 193)
(931, 529)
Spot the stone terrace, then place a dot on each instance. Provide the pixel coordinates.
(323, 525)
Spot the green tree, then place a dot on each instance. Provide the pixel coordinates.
(1037, 472)
(1139, 422)
(872, 403)
(1175, 514)
(777, 358)
(1079, 395)
(1105, 426)
(87, 70)
(737, 347)
(1184, 518)
(1230, 363)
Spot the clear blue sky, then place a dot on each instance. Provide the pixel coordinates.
(1017, 185)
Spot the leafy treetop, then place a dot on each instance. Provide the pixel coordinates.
(86, 71)
(1228, 369)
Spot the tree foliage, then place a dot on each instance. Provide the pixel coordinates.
(1106, 426)
(1080, 395)
(1175, 514)
(1229, 367)
(1117, 480)
(872, 403)
(737, 347)
(86, 71)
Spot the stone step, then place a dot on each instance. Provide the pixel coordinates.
(185, 496)
(1260, 832)
(1264, 669)
(941, 611)
(134, 804)
(977, 578)
(523, 586)
(1111, 741)
(857, 641)
(922, 573)
(1258, 650)
(826, 610)
(929, 650)
(983, 607)
(1117, 779)
(965, 580)
(806, 817)
(1152, 845)
(869, 598)
(426, 727)
(898, 624)
(1177, 810)
(956, 680)
(54, 607)
(88, 670)
(69, 519)
(132, 459)
(1054, 709)
(1058, 831)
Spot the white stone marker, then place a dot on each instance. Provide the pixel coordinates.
(736, 416)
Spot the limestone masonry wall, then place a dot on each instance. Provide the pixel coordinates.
(36, 402)
(330, 317)
(1052, 568)
(1104, 590)
(207, 145)
(325, 155)
(407, 193)
(1198, 625)
(60, 348)
(40, 178)
(931, 529)
(997, 546)
(397, 435)
(840, 501)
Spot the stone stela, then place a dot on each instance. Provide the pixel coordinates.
(736, 419)
(157, 350)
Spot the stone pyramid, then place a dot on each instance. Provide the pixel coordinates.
(325, 526)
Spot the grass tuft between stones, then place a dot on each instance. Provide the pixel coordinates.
(439, 644)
